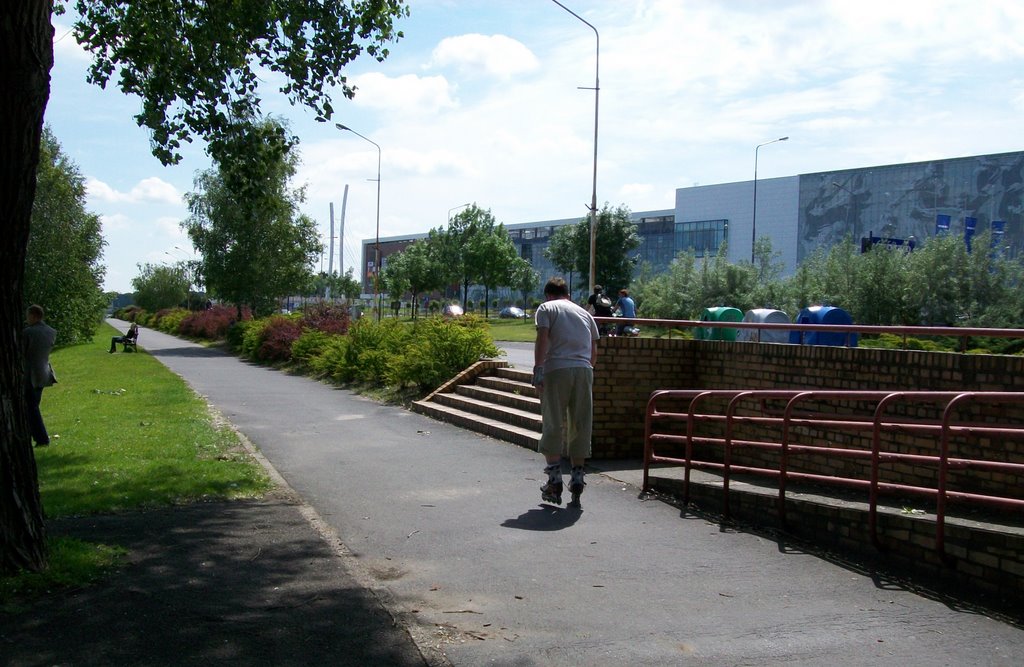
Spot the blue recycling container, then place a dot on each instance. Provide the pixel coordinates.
(824, 315)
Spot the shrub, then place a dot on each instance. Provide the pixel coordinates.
(169, 320)
(332, 358)
(327, 318)
(371, 346)
(248, 336)
(211, 324)
(128, 313)
(309, 345)
(439, 349)
(277, 336)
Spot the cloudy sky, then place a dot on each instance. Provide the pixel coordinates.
(481, 102)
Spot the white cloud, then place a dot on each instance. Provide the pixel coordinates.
(149, 190)
(407, 93)
(65, 47)
(171, 226)
(116, 222)
(495, 55)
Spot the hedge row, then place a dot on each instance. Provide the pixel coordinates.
(422, 354)
(323, 342)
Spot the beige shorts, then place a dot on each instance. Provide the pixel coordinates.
(567, 412)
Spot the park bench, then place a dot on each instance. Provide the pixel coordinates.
(130, 341)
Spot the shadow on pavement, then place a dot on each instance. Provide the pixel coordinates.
(545, 517)
(190, 351)
(230, 582)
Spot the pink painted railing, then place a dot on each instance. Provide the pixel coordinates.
(875, 418)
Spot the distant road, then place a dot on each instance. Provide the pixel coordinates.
(519, 355)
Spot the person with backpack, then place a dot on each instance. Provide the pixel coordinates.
(600, 305)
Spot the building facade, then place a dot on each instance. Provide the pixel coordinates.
(800, 214)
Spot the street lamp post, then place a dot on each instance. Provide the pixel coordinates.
(753, 221)
(593, 197)
(456, 208)
(376, 261)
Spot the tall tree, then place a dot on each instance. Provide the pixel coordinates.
(497, 262)
(26, 51)
(416, 266)
(245, 223)
(563, 250)
(617, 238)
(160, 286)
(458, 248)
(194, 66)
(62, 268)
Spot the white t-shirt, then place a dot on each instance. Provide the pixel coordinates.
(571, 331)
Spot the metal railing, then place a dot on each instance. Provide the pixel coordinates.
(961, 333)
(875, 417)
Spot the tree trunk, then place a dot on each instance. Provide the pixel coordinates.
(26, 57)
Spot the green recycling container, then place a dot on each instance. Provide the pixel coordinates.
(719, 314)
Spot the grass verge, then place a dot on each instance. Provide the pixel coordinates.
(515, 331)
(125, 433)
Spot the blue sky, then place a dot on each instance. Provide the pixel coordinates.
(480, 103)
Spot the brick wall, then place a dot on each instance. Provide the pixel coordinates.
(629, 369)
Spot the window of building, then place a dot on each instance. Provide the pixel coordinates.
(705, 237)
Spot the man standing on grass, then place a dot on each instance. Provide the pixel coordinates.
(564, 357)
(36, 342)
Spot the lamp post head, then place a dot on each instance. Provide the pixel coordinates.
(342, 127)
(783, 139)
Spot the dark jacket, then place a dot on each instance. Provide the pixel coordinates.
(36, 342)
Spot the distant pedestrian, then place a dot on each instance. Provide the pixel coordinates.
(564, 356)
(36, 342)
(130, 337)
(600, 305)
(627, 311)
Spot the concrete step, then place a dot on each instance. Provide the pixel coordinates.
(472, 421)
(508, 385)
(515, 374)
(489, 410)
(500, 397)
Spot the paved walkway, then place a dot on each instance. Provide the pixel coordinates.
(446, 527)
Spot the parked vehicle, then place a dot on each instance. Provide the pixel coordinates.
(512, 312)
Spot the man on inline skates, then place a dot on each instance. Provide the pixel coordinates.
(564, 356)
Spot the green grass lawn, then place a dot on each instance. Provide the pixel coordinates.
(516, 331)
(126, 433)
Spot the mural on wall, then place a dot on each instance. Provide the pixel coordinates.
(908, 200)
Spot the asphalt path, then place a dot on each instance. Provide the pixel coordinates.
(448, 526)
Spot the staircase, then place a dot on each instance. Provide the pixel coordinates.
(489, 398)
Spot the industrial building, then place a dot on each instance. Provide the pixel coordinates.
(899, 202)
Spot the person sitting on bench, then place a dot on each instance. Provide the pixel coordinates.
(127, 339)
